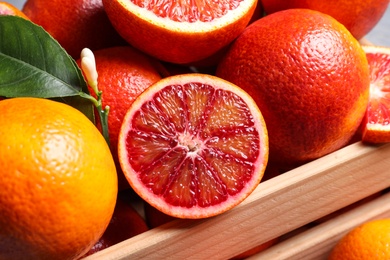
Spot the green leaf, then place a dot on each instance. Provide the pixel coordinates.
(33, 64)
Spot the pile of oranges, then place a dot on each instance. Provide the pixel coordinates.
(202, 100)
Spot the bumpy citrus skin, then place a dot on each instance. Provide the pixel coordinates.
(75, 24)
(58, 181)
(370, 240)
(309, 77)
(359, 16)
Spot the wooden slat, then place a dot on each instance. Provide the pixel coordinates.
(276, 207)
(317, 242)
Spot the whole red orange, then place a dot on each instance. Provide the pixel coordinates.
(75, 24)
(359, 16)
(308, 75)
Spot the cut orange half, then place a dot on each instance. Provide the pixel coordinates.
(193, 145)
(180, 31)
(376, 126)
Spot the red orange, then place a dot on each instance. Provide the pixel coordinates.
(359, 16)
(75, 24)
(308, 75)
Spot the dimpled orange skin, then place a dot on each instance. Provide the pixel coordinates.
(75, 24)
(9, 9)
(309, 77)
(370, 240)
(359, 16)
(58, 181)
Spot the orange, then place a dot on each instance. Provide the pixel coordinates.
(359, 16)
(370, 240)
(75, 24)
(193, 145)
(125, 223)
(376, 125)
(308, 75)
(123, 73)
(58, 181)
(177, 31)
(9, 9)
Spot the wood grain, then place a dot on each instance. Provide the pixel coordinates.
(317, 242)
(277, 206)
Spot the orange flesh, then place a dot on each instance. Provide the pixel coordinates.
(189, 10)
(378, 111)
(193, 145)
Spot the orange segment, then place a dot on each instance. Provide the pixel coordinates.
(376, 127)
(188, 11)
(193, 145)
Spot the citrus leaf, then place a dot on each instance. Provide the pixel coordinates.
(33, 64)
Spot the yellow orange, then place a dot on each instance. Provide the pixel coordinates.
(58, 181)
(369, 240)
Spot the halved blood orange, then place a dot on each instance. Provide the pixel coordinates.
(180, 31)
(193, 145)
(376, 126)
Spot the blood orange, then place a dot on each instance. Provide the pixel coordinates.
(75, 24)
(376, 126)
(358, 16)
(180, 31)
(308, 75)
(193, 145)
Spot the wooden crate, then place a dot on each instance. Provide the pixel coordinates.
(278, 206)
